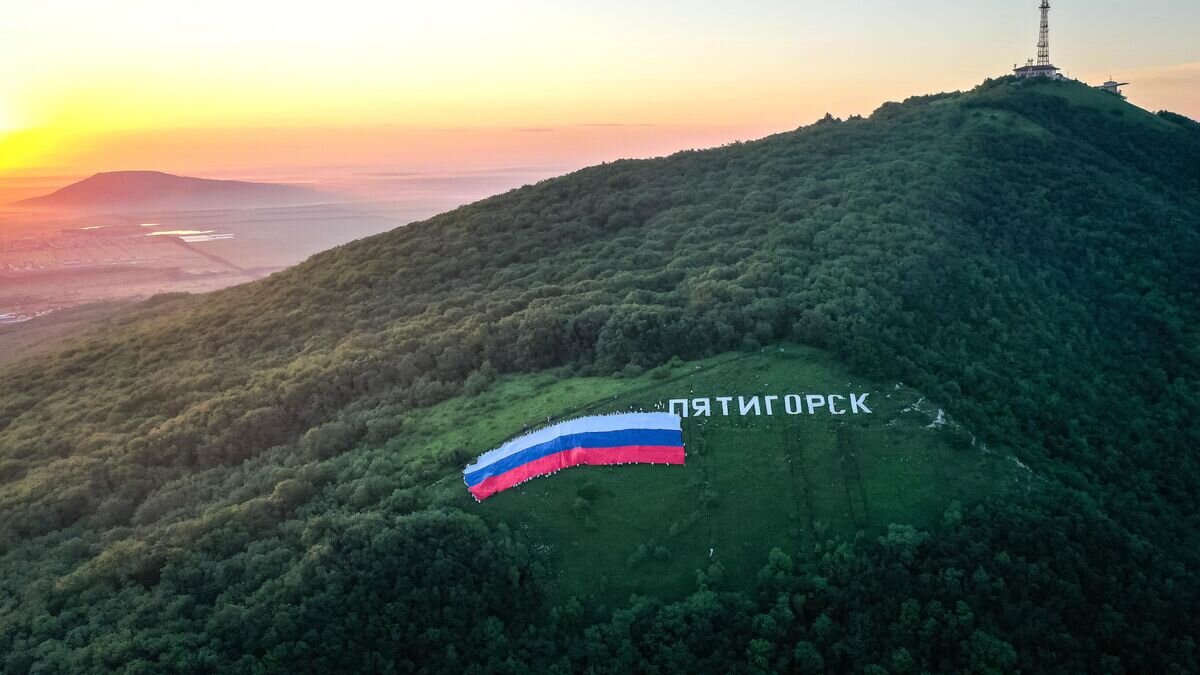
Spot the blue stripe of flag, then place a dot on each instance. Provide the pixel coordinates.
(594, 439)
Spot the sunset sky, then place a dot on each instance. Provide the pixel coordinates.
(246, 87)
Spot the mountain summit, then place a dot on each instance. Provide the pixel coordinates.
(157, 191)
(269, 478)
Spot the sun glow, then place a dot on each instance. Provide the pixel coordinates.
(124, 84)
(20, 149)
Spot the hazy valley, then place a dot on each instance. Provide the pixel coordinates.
(106, 243)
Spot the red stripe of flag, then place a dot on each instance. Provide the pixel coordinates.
(625, 454)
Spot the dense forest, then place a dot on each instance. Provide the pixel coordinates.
(193, 486)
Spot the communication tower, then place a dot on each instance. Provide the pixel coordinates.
(1043, 67)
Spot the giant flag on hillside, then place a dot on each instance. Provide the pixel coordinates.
(633, 438)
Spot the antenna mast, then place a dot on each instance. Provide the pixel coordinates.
(1043, 58)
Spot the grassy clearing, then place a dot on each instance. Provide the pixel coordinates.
(800, 483)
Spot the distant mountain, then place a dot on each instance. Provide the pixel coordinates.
(154, 190)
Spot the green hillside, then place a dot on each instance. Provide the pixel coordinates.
(751, 483)
(266, 478)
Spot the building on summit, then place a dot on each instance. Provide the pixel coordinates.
(1043, 67)
(1112, 87)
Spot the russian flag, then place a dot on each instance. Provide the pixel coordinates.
(633, 438)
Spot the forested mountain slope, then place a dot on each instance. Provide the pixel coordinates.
(1024, 254)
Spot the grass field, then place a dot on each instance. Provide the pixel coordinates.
(799, 483)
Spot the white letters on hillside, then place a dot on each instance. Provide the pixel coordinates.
(757, 406)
